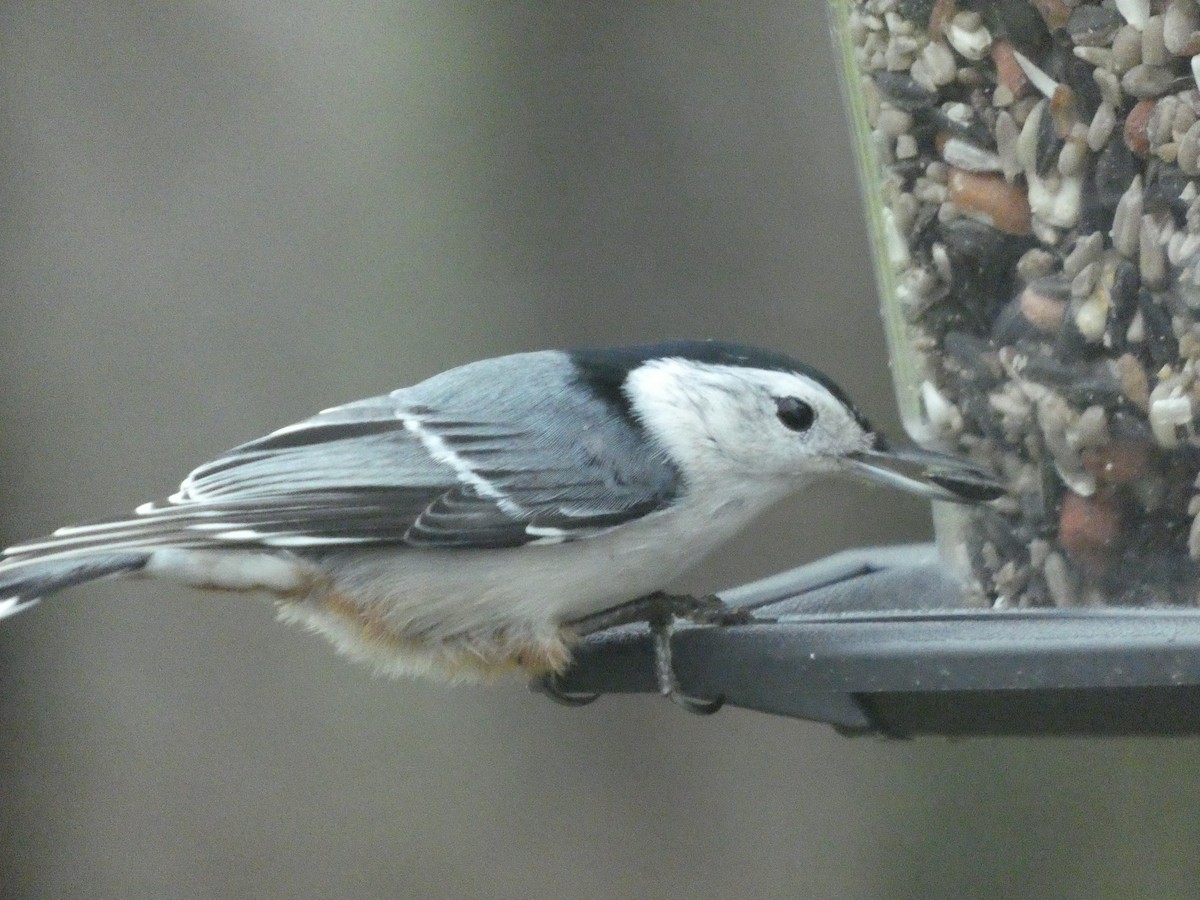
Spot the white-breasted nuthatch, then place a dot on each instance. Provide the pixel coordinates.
(483, 519)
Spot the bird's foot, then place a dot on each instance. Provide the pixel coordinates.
(660, 611)
(707, 610)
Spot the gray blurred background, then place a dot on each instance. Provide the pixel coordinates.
(219, 217)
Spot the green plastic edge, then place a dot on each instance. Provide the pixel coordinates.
(906, 378)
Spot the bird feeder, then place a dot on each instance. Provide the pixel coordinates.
(1031, 173)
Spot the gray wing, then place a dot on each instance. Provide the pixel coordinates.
(441, 464)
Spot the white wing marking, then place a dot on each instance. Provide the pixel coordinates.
(440, 451)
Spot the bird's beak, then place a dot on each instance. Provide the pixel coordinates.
(926, 473)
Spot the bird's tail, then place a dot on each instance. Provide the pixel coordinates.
(162, 540)
(24, 581)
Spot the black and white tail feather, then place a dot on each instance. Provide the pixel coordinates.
(23, 582)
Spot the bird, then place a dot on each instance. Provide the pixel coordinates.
(486, 519)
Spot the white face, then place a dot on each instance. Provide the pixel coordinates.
(755, 425)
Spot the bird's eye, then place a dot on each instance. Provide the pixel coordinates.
(794, 413)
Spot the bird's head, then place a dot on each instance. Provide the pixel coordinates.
(725, 412)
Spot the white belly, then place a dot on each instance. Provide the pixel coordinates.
(460, 613)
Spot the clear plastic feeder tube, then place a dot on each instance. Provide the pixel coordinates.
(1031, 170)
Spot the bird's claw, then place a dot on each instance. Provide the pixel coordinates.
(549, 686)
(668, 683)
(697, 707)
